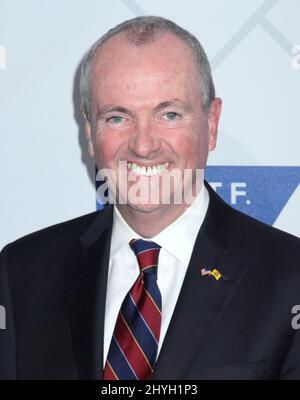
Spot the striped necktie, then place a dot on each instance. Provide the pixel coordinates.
(133, 348)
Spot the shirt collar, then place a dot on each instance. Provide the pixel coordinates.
(183, 230)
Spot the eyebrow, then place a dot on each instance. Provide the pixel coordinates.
(112, 108)
(176, 102)
(161, 106)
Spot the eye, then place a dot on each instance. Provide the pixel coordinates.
(115, 119)
(171, 116)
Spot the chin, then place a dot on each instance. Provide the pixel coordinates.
(145, 208)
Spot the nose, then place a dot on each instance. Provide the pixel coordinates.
(144, 141)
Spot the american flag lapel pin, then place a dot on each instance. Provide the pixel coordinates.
(205, 271)
(215, 273)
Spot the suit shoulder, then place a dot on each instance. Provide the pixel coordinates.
(54, 236)
(251, 231)
(256, 231)
(271, 250)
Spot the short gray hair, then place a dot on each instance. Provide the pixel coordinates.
(141, 31)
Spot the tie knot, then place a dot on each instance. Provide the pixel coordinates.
(147, 254)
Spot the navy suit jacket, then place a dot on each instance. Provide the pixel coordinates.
(53, 287)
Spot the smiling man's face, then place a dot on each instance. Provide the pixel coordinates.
(146, 110)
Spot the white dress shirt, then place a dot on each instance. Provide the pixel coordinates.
(176, 240)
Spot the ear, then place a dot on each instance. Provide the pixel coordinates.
(214, 114)
(88, 134)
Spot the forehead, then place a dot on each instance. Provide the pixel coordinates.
(166, 53)
(141, 77)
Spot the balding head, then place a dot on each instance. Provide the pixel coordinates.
(142, 31)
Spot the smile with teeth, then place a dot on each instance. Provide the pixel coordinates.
(147, 171)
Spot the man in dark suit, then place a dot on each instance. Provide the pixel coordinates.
(212, 298)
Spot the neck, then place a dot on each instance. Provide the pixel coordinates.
(150, 223)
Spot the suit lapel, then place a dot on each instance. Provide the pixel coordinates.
(200, 306)
(85, 286)
(203, 299)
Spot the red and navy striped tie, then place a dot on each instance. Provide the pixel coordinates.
(133, 348)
